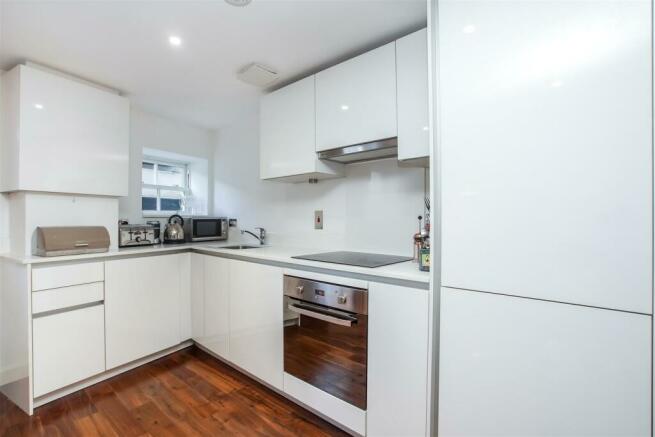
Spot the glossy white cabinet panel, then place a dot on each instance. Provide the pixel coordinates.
(287, 136)
(186, 323)
(356, 100)
(142, 298)
(412, 83)
(256, 342)
(216, 305)
(515, 367)
(54, 276)
(197, 296)
(68, 347)
(546, 145)
(66, 297)
(68, 136)
(397, 361)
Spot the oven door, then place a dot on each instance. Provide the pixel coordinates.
(209, 229)
(327, 349)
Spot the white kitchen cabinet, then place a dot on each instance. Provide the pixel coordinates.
(62, 135)
(184, 309)
(412, 83)
(515, 367)
(68, 347)
(546, 145)
(256, 325)
(197, 296)
(287, 145)
(216, 322)
(64, 275)
(142, 299)
(397, 361)
(356, 100)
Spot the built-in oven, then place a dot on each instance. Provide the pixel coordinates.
(206, 228)
(325, 337)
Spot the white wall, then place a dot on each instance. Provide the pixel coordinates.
(155, 132)
(374, 208)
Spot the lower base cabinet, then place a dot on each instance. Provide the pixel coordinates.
(397, 361)
(237, 312)
(67, 347)
(256, 320)
(142, 298)
(516, 367)
(215, 328)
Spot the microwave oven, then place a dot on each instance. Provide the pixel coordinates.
(205, 228)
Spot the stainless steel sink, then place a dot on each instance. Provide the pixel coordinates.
(238, 247)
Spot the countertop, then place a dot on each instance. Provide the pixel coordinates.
(406, 272)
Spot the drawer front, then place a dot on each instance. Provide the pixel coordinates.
(68, 347)
(68, 274)
(66, 297)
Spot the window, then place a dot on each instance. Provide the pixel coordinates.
(164, 186)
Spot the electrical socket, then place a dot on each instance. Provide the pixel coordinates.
(318, 219)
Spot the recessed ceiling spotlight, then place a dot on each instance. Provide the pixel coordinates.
(38, 106)
(175, 40)
(238, 2)
(469, 28)
(345, 107)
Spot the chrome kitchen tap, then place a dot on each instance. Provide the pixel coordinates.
(261, 237)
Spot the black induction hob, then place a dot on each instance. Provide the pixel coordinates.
(358, 259)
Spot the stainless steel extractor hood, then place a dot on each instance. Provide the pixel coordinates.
(380, 149)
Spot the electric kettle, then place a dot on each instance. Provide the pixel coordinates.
(174, 232)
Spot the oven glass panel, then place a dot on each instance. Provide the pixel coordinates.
(206, 228)
(328, 356)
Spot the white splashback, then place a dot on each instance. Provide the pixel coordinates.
(373, 208)
(29, 210)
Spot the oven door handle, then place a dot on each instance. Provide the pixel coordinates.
(320, 316)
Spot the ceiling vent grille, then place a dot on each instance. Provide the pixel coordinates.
(257, 75)
(238, 2)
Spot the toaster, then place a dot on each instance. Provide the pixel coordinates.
(137, 235)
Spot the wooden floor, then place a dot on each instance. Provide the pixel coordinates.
(186, 393)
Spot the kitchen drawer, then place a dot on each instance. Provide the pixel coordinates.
(68, 347)
(65, 297)
(67, 274)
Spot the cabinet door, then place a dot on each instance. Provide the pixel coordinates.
(216, 305)
(68, 347)
(397, 361)
(412, 82)
(288, 133)
(74, 138)
(256, 325)
(546, 140)
(197, 296)
(515, 367)
(142, 307)
(356, 100)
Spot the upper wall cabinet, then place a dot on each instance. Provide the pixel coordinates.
(356, 100)
(412, 83)
(288, 135)
(62, 135)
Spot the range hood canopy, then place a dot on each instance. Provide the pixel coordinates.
(387, 148)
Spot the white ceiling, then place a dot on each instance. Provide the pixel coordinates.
(124, 45)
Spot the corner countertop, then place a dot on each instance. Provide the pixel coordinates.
(405, 273)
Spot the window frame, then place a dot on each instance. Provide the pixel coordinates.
(158, 187)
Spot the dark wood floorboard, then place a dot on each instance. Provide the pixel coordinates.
(188, 393)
